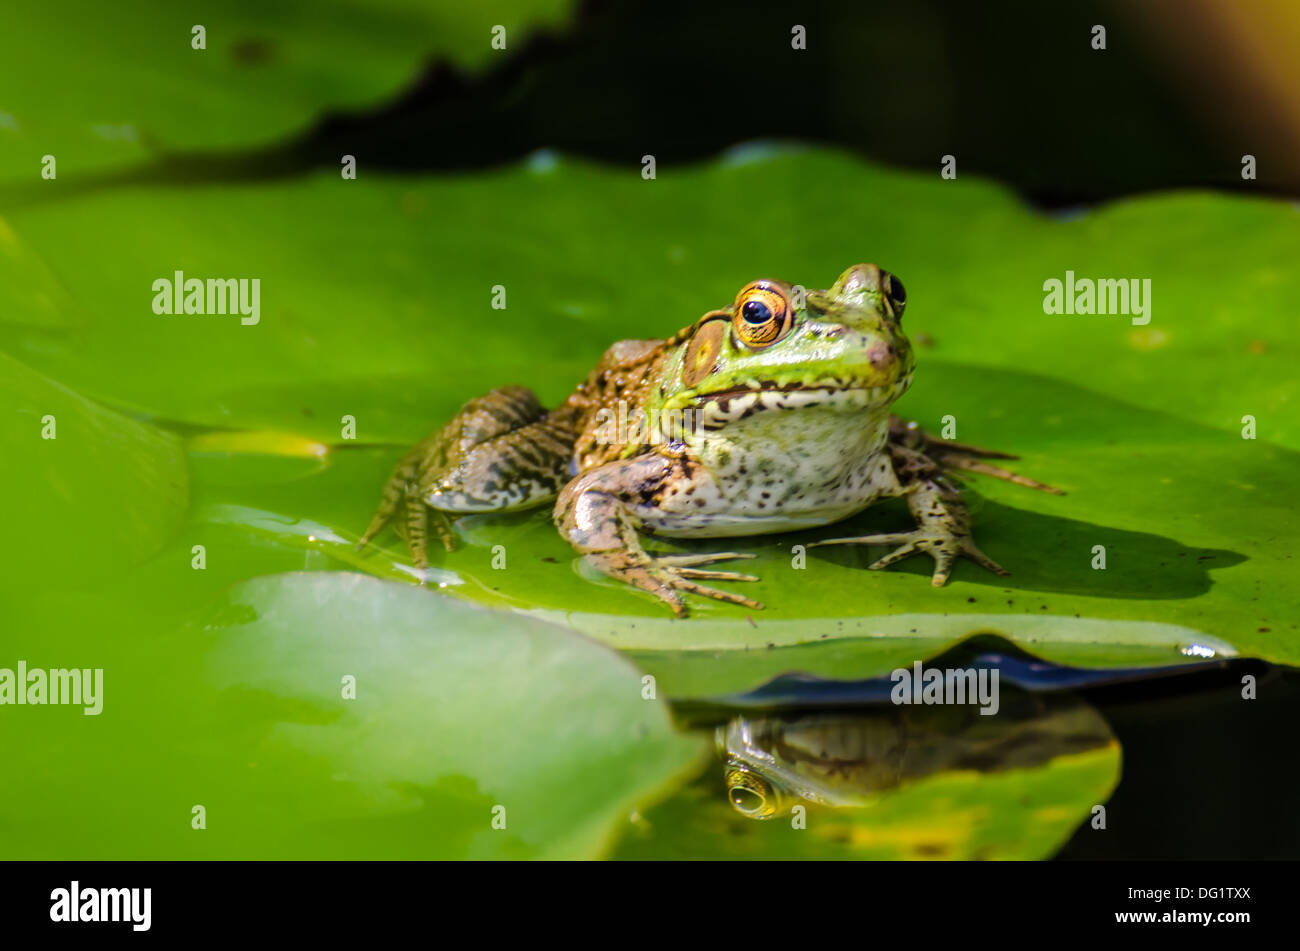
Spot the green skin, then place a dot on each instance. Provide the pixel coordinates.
(768, 416)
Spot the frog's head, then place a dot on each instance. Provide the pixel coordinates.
(762, 779)
(780, 348)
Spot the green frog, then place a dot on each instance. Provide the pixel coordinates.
(770, 415)
(857, 758)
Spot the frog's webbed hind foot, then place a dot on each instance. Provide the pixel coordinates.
(595, 515)
(943, 547)
(395, 495)
(925, 467)
(666, 576)
(414, 529)
(400, 492)
(942, 532)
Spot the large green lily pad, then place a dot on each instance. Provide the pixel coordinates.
(457, 711)
(91, 492)
(1184, 577)
(377, 293)
(102, 86)
(376, 307)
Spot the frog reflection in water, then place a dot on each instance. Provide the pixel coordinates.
(852, 759)
(771, 415)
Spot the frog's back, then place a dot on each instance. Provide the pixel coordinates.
(607, 409)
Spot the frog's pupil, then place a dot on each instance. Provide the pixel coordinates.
(897, 291)
(746, 800)
(756, 312)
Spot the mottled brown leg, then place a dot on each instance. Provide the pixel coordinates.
(667, 574)
(416, 533)
(592, 515)
(395, 490)
(499, 452)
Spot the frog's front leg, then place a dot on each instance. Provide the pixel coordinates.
(600, 513)
(500, 452)
(942, 529)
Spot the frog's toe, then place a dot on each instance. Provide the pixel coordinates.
(944, 558)
(944, 547)
(682, 584)
(898, 554)
(945, 550)
(984, 561)
(713, 575)
(667, 577)
(689, 561)
(679, 572)
(441, 522)
(670, 571)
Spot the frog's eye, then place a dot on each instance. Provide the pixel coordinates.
(750, 794)
(763, 314)
(896, 293)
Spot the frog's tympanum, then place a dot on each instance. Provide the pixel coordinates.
(770, 415)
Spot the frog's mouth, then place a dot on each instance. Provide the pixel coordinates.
(731, 405)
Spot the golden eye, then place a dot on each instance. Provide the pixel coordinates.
(762, 314)
(750, 794)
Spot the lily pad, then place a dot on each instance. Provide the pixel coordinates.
(377, 321)
(473, 734)
(1183, 579)
(100, 86)
(377, 294)
(81, 478)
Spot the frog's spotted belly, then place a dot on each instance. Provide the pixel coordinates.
(730, 524)
(733, 491)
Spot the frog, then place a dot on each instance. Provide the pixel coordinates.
(772, 414)
(852, 758)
